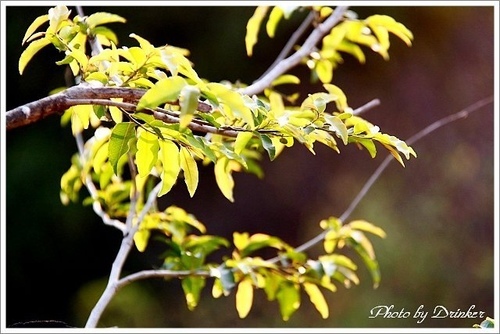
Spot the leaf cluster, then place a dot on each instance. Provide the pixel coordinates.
(182, 121)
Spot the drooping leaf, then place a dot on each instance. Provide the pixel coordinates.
(341, 99)
(224, 178)
(165, 90)
(147, 152)
(118, 142)
(141, 238)
(274, 18)
(169, 155)
(268, 145)
(190, 168)
(316, 298)
(288, 297)
(244, 297)
(253, 27)
(241, 141)
(192, 287)
(188, 100)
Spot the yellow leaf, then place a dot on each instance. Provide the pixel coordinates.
(190, 168)
(253, 27)
(244, 297)
(274, 18)
(169, 153)
(141, 238)
(317, 298)
(241, 141)
(224, 178)
(103, 18)
(324, 69)
(34, 26)
(188, 100)
(341, 99)
(147, 152)
(30, 51)
(368, 227)
(240, 240)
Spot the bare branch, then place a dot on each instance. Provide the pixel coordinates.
(159, 273)
(286, 64)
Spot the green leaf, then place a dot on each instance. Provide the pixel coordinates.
(30, 51)
(371, 263)
(165, 90)
(223, 178)
(188, 100)
(169, 153)
(192, 287)
(147, 152)
(268, 145)
(190, 168)
(317, 298)
(101, 18)
(34, 26)
(244, 297)
(253, 27)
(118, 142)
(288, 297)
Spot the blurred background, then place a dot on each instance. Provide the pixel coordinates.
(437, 212)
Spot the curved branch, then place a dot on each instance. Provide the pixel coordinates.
(286, 64)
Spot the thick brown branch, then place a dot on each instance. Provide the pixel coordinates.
(55, 104)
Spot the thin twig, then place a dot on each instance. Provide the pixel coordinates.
(286, 64)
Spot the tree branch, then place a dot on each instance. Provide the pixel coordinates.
(286, 64)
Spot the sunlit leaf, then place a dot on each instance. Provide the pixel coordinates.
(274, 18)
(286, 79)
(145, 45)
(141, 238)
(30, 51)
(244, 297)
(391, 25)
(169, 155)
(368, 227)
(101, 18)
(147, 152)
(253, 27)
(165, 90)
(241, 141)
(341, 99)
(34, 26)
(224, 178)
(118, 142)
(190, 168)
(324, 70)
(57, 15)
(317, 298)
(188, 100)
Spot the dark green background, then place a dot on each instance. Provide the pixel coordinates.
(437, 212)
